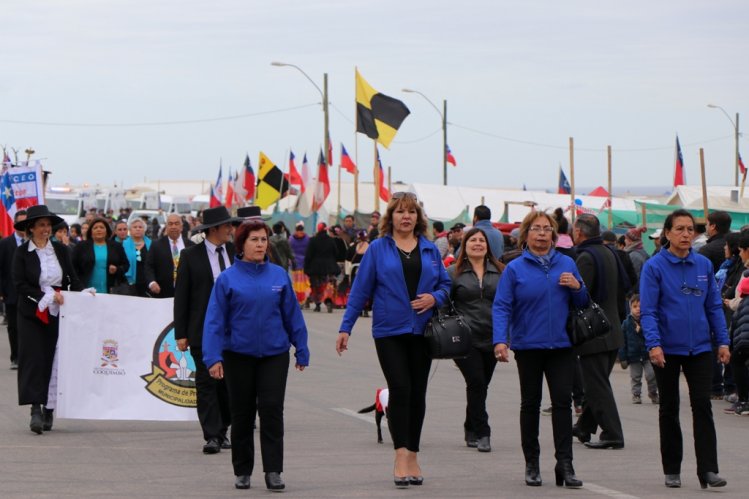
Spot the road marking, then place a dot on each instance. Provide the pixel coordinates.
(354, 414)
(607, 492)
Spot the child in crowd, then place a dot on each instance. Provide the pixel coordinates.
(740, 348)
(635, 355)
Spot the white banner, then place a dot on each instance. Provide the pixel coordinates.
(118, 359)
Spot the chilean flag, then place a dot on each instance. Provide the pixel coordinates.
(322, 188)
(216, 191)
(346, 162)
(679, 174)
(384, 192)
(248, 180)
(741, 166)
(294, 177)
(230, 198)
(449, 156)
(564, 185)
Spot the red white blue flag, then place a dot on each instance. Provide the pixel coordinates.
(564, 185)
(449, 156)
(21, 187)
(680, 176)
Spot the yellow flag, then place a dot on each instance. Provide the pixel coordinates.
(271, 182)
(377, 115)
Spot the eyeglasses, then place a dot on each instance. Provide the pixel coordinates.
(537, 228)
(690, 291)
(404, 194)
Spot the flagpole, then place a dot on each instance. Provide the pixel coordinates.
(611, 215)
(376, 179)
(704, 184)
(572, 179)
(339, 190)
(280, 187)
(356, 154)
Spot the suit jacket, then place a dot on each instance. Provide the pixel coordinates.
(192, 292)
(160, 266)
(84, 259)
(7, 250)
(26, 273)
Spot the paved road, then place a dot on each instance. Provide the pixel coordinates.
(330, 452)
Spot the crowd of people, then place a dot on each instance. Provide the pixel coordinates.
(239, 288)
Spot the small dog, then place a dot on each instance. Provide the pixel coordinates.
(380, 407)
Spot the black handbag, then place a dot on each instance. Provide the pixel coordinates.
(122, 287)
(587, 323)
(448, 336)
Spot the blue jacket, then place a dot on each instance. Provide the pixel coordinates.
(493, 237)
(380, 278)
(680, 323)
(253, 310)
(531, 307)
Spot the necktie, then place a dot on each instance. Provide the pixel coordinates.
(175, 251)
(175, 260)
(220, 253)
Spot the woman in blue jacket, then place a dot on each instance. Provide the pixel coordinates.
(530, 315)
(253, 318)
(682, 319)
(403, 275)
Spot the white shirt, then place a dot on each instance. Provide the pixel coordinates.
(19, 239)
(180, 244)
(51, 275)
(213, 258)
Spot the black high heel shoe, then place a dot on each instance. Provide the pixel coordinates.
(532, 474)
(416, 480)
(401, 482)
(712, 479)
(673, 481)
(565, 475)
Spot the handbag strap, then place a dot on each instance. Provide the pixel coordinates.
(450, 306)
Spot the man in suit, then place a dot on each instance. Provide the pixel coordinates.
(199, 266)
(163, 259)
(607, 283)
(8, 294)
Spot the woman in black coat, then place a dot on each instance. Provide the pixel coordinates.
(41, 268)
(321, 266)
(99, 261)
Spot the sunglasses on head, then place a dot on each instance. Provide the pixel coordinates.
(404, 194)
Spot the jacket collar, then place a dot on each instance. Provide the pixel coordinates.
(252, 267)
(553, 255)
(690, 258)
(489, 267)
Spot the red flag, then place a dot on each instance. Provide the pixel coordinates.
(741, 166)
(679, 177)
(330, 153)
(384, 192)
(229, 192)
(248, 180)
(450, 157)
(294, 177)
(346, 162)
(322, 188)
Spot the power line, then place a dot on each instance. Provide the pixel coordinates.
(586, 149)
(159, 123)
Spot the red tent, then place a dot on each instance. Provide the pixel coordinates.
(599, 192)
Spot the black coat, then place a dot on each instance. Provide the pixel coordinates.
(589, 266)
(740, 327)
(26, 273)
(320, 259)
(7, 251)
(160, 266)
(474, 301)
(192, 292)
(714, 250)
(84, 259)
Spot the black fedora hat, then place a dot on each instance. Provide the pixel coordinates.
(35, 213)
(248, 212)
(213, 217)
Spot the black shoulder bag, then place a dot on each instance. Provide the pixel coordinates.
(448, 336)
(587, 323)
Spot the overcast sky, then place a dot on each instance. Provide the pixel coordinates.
(520, 78)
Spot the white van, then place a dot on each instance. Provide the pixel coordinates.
(67, 206)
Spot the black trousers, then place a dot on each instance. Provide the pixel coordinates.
(256, 384)
(12, 315)
(578, 392)
(477, 370)
(740, 370)
(600, 406)
(405, 363)
(214, 413)
(698, 371)
(36, 351)
(558, 365)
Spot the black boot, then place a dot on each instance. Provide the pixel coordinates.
(48, 418)
(37, 422)
(711, 479)
(273, 481)
(565, 475)
(317, 307)
(532, 473)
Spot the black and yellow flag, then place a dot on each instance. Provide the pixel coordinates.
(271, 183)
(377, 115)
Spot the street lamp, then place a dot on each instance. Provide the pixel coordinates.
(443, 115)
(735, 125)
(324, 95)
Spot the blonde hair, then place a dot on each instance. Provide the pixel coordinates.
(406, 202)
(531, 217)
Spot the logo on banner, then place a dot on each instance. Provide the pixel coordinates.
(172, 376)
(109, 359)
(24, 185)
